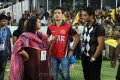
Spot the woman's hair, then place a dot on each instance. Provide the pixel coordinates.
(31, 25)
(21, 25)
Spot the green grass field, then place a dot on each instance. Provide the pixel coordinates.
(107, 73)
(76, 72)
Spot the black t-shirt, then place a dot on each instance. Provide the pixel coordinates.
(100, 31)
(90, 35)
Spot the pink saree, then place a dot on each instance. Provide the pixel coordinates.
(34, 68)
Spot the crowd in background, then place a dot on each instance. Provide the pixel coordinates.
(108, 18)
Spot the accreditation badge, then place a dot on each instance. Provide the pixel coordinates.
(43, 55)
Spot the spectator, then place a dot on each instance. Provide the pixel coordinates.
(5, 46)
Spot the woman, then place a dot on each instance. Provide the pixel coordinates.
(19, 30)
(30, 60)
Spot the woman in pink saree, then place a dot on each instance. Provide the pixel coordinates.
(30, 58)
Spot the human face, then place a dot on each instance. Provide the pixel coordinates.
(85, 16)
(3, 22)
(58, 16)
(38, 24)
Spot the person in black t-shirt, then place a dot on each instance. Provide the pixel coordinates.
(92, 45)
(19, 31)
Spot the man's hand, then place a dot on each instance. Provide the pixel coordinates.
(92, 59)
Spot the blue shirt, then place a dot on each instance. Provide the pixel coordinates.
(5, 35)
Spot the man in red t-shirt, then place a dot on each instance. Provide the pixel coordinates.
(60, 32)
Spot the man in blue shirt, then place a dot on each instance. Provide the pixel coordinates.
(5, 46)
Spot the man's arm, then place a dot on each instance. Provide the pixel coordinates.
(100, 33)
(99, 47)
(76, 40)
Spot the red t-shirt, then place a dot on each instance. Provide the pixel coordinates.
(60, 46)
